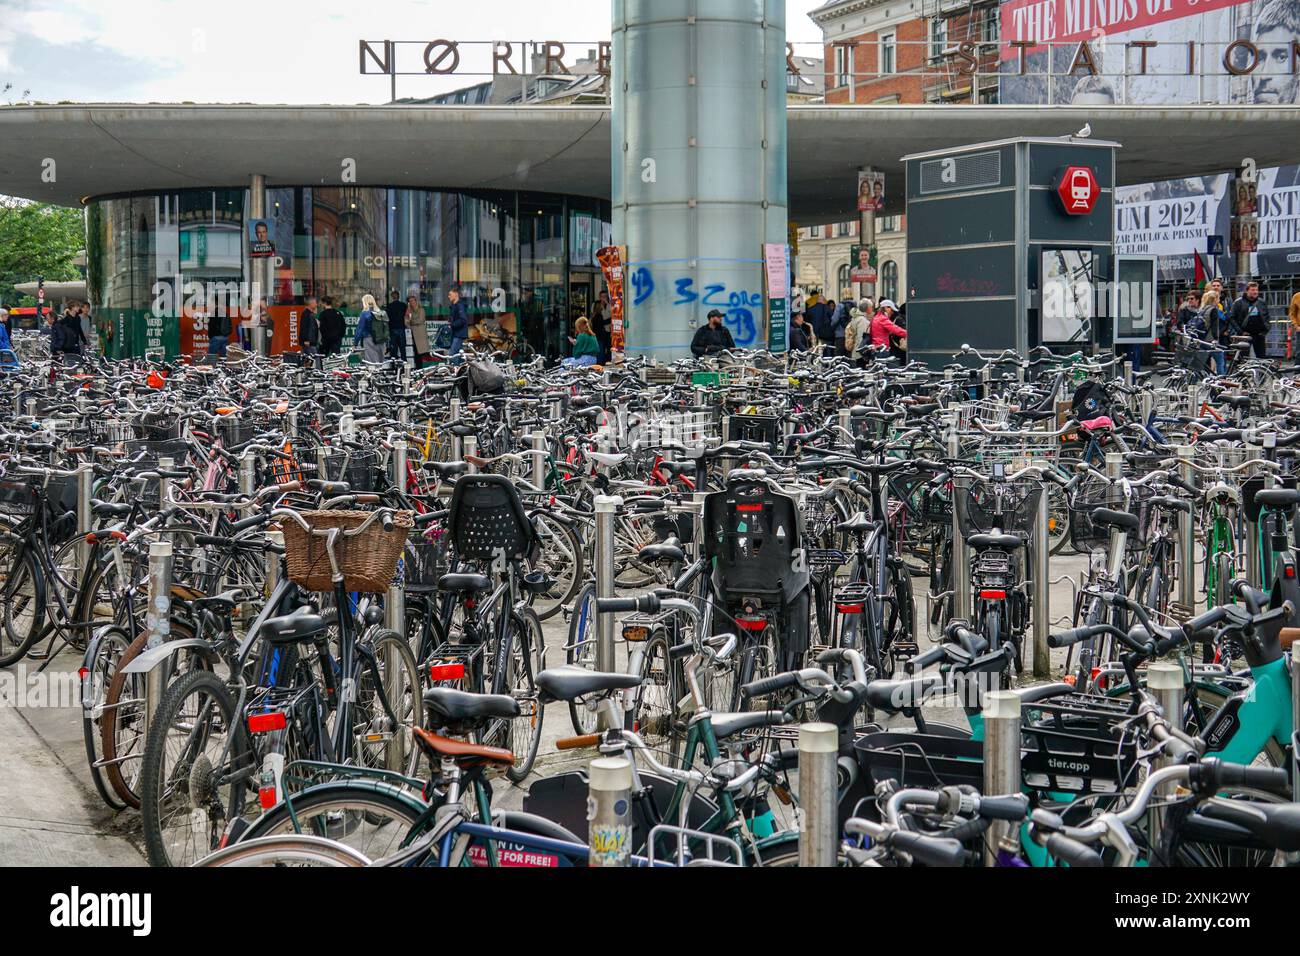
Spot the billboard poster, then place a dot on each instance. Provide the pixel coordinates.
(1278, 249)
(871, 191)
(260, 243)
(1149, 51)
(1171, 220)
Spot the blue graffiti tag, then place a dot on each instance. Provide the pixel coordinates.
(644, 284)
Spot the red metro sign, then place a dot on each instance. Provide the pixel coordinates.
(1078, 190)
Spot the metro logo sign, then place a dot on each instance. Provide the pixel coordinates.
(1078, 190)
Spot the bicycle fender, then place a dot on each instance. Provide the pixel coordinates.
(151, 658)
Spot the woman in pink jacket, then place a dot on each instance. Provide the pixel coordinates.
(883, 326)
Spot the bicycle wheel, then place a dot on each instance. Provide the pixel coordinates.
(522, 734)
(24, 608)
(580, 651)
(280, 851)
(368, 818)
(98, 667)
(186, 791)
(560, 557)
(376, 742)
(655, 703)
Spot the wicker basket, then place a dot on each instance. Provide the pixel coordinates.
(368, 561)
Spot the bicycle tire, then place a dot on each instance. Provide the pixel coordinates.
(294, 850)
(564, 588)
(352, 813)
(99, 664)
(580, 651)
(519, 680)
(409, 709)
(19, 636)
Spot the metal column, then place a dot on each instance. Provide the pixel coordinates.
(818, 811)
(609, 811)
(607, 507)
(85, 518)
(1042, 587)
(1186, 538)
(1001, 758)
(158, 619)
(1165, 681)
(538, 440)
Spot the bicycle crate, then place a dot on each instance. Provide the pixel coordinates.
(368, 561)
(659, 375)
(144, 454)
(236, 432)
(1086, 535)
(1077, 744)
(424, 561)
(159, 426)
(920, 760)
(360, 469)
(1011, 507)
(18, 494)
(756, 428)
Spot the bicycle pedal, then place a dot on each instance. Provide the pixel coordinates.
(1180, 612)
(905, 649)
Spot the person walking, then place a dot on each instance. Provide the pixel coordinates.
(712, 337)
(396, 310)
(332, 327)
(600, 324)
(74, 338)
(309, 328)
(218, 333)
(1191, 309)
(885, 332)
(458, 322)
(1250, 315)
(817, 316)
(857, 335)
(841, 316)
(1214, 322)
(372, 330)
(419, 328)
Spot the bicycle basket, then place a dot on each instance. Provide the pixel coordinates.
(360, 469)
(920, 760)
(1087, 535)
(488, 519)
(18, 495)
(1076, 744)
(368, 561)
(144, 454)
(1008, 506)
(756, 428)
(159, 426)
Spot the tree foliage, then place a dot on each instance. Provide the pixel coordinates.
(37, 239)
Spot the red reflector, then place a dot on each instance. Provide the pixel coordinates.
(1289, 572)
(850, 608)
(992, 594)
(82, 672)
(751, 623)
(446, 671)
(265, 723)
(266, 796)
(749, 507)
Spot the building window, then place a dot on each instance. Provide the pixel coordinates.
(887, 223)
(889, 280)
(887, 61)
(843, 65)
(938, 36)
(990, 32)
(843, 283)
(989, 93)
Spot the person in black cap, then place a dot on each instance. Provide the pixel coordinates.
(712, 337)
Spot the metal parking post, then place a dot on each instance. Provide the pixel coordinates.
(347, 426)
(158, 619)
(818, 813)
(538, 442)
(1186, 537)
(31, 408)
(399, 465)
(271, 559)
(165, 483)
(609, 811)
(85, 516)
(845, 416)
(248, 478)
(1253, 572)
(1114, 465)
(1042, 589)
(607, 508)
(959, 580)
(469, 446)
(1165, 681)
(1001, 758)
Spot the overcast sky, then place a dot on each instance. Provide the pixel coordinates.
(268, 51)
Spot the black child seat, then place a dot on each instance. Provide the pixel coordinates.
(752, 534)
(488, 520)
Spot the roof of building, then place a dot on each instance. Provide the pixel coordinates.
(104, 149)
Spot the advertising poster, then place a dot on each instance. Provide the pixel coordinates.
(1240, 51)
(611, 265)
(260, 242)
(862, 264)
(1171, 220)
(871, 191)
(776, 260)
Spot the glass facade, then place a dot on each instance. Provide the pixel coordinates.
(159, 265)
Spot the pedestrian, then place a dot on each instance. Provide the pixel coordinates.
(886, 333)
(396, 310)
(458, 322)
(419, 326)
(600, 323)
(819, 320)
(369, 336)
(58, 334)
(1250, 315)
(800, 340)
(1190, 310)
(1213, 321)
(332, 327)
(75, 339)
(857, 335)
(1293, 313)
(586, 347)
(218, 332)
(309, 328)
(712, 337)
(87, 323)
(4, 320)
(840, 319)
(5, 344)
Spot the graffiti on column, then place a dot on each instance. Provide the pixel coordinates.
(740, 307)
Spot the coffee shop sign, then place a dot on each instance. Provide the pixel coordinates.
(443, 57)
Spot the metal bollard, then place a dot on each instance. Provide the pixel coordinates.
(1042, 588)
(960, 577)
(399, 465)
(1001, 758)
(1253, 571)
(609, 811)
(1114, 464)
(607, 507)
(818, 812)
(85, 518)
(248, 478)
(165, 484)
(1165, 681)
(538, 441)
(1186, 538)
(272, 561)
(469, 446)
(158, 619)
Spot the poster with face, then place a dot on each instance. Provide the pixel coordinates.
(871, 191)
(260, 245)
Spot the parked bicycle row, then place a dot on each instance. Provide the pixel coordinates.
(309, 605)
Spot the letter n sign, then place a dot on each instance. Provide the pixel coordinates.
(1078, 190)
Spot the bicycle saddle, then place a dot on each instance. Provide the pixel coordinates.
(222, 603)
(463, 752)
(463, 431)
(609, 461)
(302, 625)
(464, 583)
(1114, 519)
(1278, 497)
(458, 705)
(668, 551)
(896, 695)
(568, 682)
(103, 508)
(858, 523)
(1008, 542)
(728, 724)
(1095, 424)
(447, 469)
